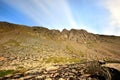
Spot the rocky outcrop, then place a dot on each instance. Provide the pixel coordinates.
(78, 36)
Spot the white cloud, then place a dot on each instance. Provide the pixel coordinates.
(53, 12)
(113, 6)
(69, 14)
(61, 9)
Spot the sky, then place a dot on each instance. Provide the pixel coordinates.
(96, 16)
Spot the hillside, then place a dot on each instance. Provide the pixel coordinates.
(36, 47)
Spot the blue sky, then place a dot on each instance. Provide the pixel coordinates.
(96, 16)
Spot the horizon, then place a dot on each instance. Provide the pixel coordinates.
(98, 17)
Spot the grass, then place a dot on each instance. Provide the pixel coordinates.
(61, 60)
(12, 42)
(20, 69)
(6, 72)
(89, 42)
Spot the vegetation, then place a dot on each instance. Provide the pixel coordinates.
(20, 67)
(61, 60)
(6, 72)
(11, 42)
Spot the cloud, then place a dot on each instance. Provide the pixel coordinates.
(51, 12)
(113, 7)
(69, 14)
(60, 12)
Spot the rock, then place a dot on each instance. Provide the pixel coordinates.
(27, 77)
(18, 75)
(40, 77)
(50, 68)
(61, 79)
(48, 79)
(92, 70)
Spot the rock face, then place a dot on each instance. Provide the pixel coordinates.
(78, 36)
(80, 71)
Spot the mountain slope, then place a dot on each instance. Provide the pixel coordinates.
(30, 47)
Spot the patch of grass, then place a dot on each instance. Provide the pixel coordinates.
(12, 42)
(89, 42)
(74, 60)
(106, 59)
(61, 60)
(6, 72)
(55, 60)
(20, 67)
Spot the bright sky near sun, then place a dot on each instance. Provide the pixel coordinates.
(96, 16)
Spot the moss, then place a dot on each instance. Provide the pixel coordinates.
(6, 72)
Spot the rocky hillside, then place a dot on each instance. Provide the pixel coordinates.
(23, 47)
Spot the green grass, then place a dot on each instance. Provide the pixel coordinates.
(61, 60)
(6, 72)
(20, 69)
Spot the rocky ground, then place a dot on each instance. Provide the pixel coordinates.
(93, 70)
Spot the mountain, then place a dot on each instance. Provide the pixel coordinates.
(29, 47)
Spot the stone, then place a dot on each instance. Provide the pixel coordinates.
(18, 75)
